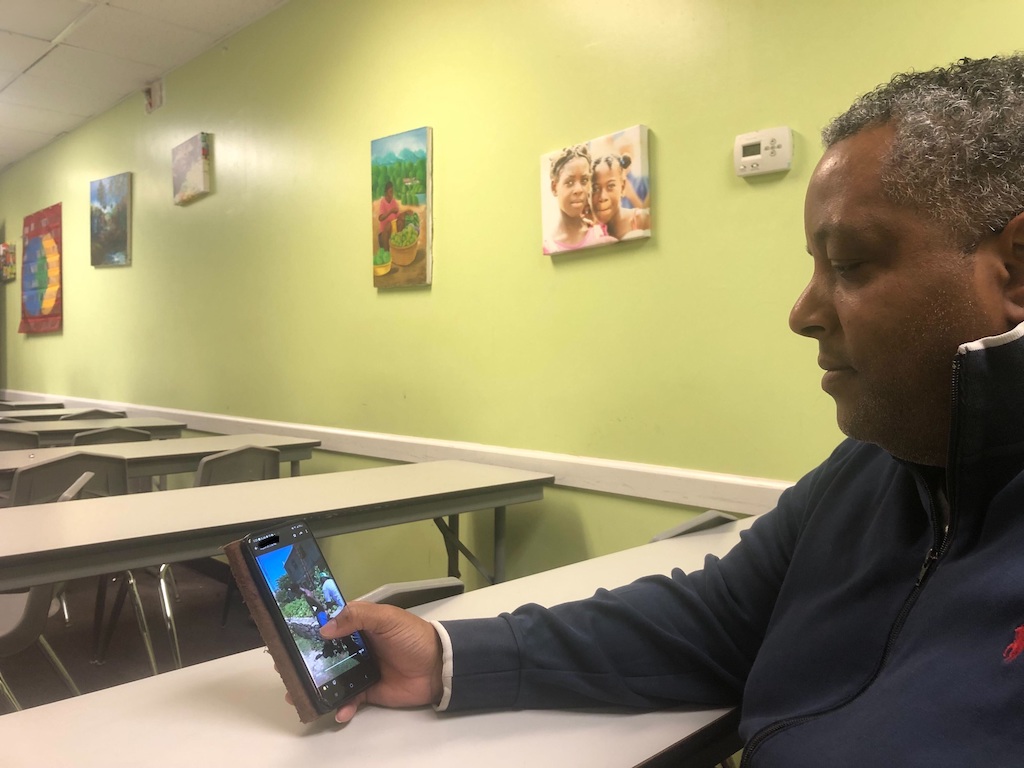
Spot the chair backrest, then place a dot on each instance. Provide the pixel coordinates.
(409, 594)
(47, 481)
(12, 441)
(239, 465)
(23, 618)
(111, 435)
(92, 413)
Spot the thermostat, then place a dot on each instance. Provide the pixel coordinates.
(765, 151)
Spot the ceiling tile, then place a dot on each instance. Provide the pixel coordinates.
(36, 119)
(43, 19)
(76, 66)
(65, 61)
(218, 19)
(74, 99)
(17, 52)
(129, 35)
(18, 142)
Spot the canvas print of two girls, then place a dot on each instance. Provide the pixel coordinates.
(596, 193)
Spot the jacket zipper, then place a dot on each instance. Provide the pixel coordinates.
(940, 544)
(938, 548)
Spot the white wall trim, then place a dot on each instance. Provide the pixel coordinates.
(694, 488)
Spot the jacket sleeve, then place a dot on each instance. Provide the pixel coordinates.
(683, 639)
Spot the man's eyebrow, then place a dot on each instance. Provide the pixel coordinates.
(866, 231)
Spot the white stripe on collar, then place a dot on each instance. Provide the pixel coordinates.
(992, 341)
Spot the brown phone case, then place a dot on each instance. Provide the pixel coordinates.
(304, 703)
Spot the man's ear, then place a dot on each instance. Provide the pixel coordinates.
(1012, 248)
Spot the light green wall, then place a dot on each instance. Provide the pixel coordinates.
(258, 299)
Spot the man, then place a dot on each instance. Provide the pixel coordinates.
(332, 595)
(875, 616)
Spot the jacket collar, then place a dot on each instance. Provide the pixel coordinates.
(987, 435)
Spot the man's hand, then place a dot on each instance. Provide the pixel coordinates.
(408, 652)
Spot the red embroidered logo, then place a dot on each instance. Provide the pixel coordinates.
(1014, 649)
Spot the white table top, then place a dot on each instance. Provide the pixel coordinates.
(58, 541)
(17, 405)
(50, 414)
(231, 710)
(163, 457)
(61, 432)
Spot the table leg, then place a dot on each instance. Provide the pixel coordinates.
(98, 616)
(453, 550)
(453, 545)
(499, 544)
(100, 651)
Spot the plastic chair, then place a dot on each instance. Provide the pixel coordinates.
(408, 594)
(23, 617)
(46, 481)
(710, 518)
(92, 413)
(111, 435)
(239, 465)
(24, 613)
(107, 435)
(15, 441)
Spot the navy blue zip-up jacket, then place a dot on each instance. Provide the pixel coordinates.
(849, 624)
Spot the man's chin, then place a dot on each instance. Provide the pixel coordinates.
(912, 445)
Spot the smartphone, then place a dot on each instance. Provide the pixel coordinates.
(301, 595)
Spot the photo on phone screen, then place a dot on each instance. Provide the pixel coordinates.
(296, 575)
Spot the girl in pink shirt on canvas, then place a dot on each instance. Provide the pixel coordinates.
(570, 184)
(610, 184)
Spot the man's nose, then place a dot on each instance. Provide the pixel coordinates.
(812, 313)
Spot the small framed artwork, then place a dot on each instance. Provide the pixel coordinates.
(597, 192)
(110, 221)
(401, 204)
(8, 262)
(190, 169)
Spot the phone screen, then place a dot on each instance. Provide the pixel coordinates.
(307, 596)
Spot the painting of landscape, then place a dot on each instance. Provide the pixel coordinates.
(110, 221)
(190, 169)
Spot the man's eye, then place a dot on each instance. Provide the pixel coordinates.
(846, 268)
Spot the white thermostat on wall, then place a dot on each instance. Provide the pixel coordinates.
(765, 151)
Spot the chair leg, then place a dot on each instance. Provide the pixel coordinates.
(140, 616)
(9, 694)
(57, 665)
(167, 575)
(64, 609)
(173, 581)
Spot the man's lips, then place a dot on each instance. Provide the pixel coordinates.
(833, 364)
(835, 371)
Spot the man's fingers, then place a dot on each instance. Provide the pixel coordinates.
(348, 710)
(352, 618)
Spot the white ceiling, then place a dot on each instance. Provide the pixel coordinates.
(63, 62)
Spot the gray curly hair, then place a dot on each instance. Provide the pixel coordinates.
(958, 151)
